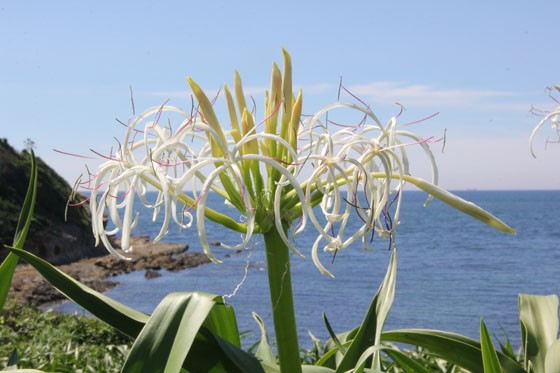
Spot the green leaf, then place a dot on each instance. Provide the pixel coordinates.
(223, 323)
(404, 361)
(121, 317)
(366, 356)
(264, 351)
(369, 333)
(241, 361)
(171, 331)
(270, 367)
(489, 356)
(13, 360)
(333, 336)
(552, 360)
(455, 348)
(7, 269)
(9, 264)
(315, 369)
(326, 359)
(538, 316)
(507, 349)
(274, 368)
(26, 213)
(460, 204)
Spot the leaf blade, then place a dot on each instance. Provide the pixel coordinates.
(8, 266)
(369, 333)
(121, 317)
(166, 342)
(489, 356)
(455, 348)
(538, 316)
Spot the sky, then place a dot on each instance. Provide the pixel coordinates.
(67, 69)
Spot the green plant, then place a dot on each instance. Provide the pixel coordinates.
(32, 338)
(274, 183)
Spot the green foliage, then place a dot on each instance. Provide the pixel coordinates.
(56, 342)
(7, 267)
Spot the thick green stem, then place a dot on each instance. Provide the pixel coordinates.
(280, 282)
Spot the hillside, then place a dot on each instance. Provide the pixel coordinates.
(50, 237)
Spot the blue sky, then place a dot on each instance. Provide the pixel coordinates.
(66, 69)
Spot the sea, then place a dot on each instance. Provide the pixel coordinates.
(452, 270)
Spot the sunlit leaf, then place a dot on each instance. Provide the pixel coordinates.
(369, 333)
(171, 332)
(552, 360)
(460, 204)
(455, 348)
(264, 351)
(538, 315)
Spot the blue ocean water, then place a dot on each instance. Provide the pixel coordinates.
(452, 270)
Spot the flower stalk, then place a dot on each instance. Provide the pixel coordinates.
(281, 298)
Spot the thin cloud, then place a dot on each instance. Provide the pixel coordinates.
(386, 92)
(428, 96)
(255, 90)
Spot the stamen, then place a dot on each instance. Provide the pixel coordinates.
(110, 158)
(73, 154)
(420, 120)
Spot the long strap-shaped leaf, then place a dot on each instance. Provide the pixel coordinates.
(369, 333)
(490, 359)
(404, 361)
(9, 264)
(264, 350)
(170, 333)
(552, 361)
(121, 317)
(455, 348)
(538, 316)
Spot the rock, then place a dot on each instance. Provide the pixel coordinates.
(28, 287)
(151, 274)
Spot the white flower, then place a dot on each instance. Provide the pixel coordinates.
(553, 117)
(276, 172)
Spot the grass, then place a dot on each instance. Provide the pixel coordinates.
(57, 342)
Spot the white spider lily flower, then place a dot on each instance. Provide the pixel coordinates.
(276, 172)
(554, 118)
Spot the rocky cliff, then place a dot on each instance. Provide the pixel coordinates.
(50, 236)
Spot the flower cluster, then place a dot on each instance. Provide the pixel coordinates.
(281, 173)
(552, 116)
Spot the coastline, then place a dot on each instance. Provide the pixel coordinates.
(31, 289)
